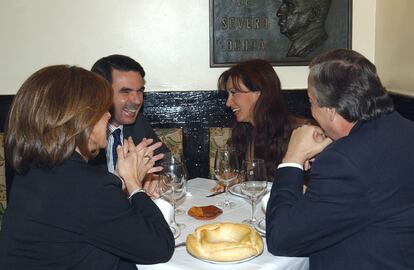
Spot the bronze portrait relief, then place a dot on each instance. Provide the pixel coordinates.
(283, 32)
(303, 23)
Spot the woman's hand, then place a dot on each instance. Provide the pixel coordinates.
(134, 162)
(146, 159)
(126, 166)
(153, 185)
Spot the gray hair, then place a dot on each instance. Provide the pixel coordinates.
(345, 80)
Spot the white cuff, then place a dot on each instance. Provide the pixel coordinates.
(290, 164)
(135, 192)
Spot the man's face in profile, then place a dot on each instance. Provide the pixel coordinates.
(294, 16)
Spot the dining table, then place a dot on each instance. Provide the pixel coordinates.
(196, 195)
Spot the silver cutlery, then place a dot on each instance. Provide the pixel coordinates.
(182, 244)
(214, 194)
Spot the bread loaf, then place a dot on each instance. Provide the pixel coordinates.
(224, 242)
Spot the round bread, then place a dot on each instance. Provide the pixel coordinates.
(224, 242)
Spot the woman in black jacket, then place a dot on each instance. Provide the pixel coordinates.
(64, 213)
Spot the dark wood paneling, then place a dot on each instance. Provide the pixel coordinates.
(5, 101)
(193, 111)
(196, 111)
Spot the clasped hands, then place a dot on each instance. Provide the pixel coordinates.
(305, 143)
(135, 162)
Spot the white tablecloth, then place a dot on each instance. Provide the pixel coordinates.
(198, 189)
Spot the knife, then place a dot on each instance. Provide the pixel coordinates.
(182, 244)
(214, 194)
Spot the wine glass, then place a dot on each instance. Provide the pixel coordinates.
(254, 183)
(172, 157)
(226, 169)
(169, 157)
(173, 180)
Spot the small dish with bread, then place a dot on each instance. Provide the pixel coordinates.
(207, 212)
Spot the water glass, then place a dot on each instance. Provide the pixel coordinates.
(173, 180)
(170, 157)
(226, 169)
(254, 183)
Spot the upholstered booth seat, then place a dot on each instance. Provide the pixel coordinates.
(2, 178)
(218, 138)
(172, 138)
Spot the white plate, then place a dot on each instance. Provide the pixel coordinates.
(236, 190)
(227, 262)
(261, 226)
(175, 232)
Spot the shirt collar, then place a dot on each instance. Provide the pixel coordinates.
(111, 128)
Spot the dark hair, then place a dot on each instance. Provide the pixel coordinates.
(54, 112)
(105, 65)
(271, 130)
(345, 80)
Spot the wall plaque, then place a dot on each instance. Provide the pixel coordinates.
(284, 32)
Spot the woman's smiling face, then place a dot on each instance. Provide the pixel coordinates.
(241, 100)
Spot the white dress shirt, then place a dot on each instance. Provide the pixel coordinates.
(109, 157)
(290, 164)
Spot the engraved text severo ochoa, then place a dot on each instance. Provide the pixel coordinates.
(244, 23)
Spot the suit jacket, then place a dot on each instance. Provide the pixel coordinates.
(75, 216)
(139, 130)
(358, 211)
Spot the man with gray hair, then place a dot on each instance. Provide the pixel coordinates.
(358, 209)
(303, 23)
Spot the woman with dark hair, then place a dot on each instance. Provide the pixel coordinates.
(62, 212)
(263, 124)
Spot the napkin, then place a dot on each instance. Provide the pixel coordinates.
(166, 209)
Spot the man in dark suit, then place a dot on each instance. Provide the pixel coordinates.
(358, 210)
(127, 79)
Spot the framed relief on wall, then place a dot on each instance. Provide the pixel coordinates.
(284, 32)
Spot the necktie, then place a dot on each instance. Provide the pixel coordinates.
(117, 141)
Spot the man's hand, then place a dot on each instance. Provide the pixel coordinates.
(305, 143)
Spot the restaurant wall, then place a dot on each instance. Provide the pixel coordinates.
(169, 37)
(394, 54)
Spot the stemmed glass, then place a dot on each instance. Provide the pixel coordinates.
(169, 157)
(254, 183)
(226, 169)
(173, 178)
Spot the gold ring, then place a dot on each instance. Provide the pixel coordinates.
(147, 156)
